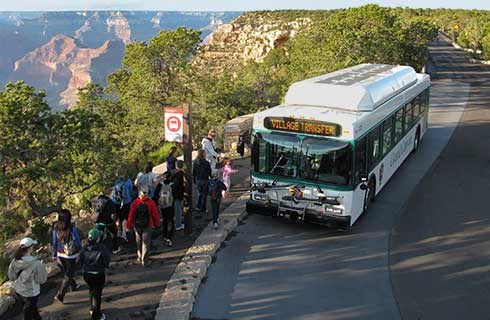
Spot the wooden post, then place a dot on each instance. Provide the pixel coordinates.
(187, 146)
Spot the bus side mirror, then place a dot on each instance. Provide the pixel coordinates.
(363, 177)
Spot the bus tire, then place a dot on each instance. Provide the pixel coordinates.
(370, 194)
(416, 141)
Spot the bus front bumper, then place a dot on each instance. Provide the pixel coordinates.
(261, 208)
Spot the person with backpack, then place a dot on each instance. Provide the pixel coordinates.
(171, 160)
(165, 200)
(95, 259)
(146, 179)
(105, 219)
(121, 197)
(66, 246)
(178, 189)
(215, 191)
(143, 216)
(27, 273)
(201, 172)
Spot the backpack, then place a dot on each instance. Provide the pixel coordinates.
(213, 188)
(100, 212)
(166, 196)
(144, 180)
(71, 247)
(118, 192)
(142, 216)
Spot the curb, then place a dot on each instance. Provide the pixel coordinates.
(472, 60)
(177, 298)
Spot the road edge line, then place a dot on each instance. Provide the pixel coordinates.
(177, 299)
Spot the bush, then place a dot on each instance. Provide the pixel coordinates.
(4, 265)
(11, 224)
(40, 231)
(160, 155)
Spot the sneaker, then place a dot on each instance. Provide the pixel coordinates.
(77, 286)
(118, 250)
(102, 317)
(215, 225)
(180, 228)
(58, 298)
(167, 242)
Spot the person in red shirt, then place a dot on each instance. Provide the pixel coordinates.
(143, 216)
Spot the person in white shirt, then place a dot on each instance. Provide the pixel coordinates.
(147, 179)
(210, 148)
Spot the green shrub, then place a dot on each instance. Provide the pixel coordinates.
(10, 224)
(40, 231)
(4, 265)
(160, 155)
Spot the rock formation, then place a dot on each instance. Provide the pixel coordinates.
(247, 39)
(61, 65)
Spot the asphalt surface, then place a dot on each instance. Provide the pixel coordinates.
(440, 254)
(277, 269)
(132, 292)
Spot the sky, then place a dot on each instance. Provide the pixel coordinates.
(225, 5)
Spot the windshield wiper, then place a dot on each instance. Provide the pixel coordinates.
(276, 164)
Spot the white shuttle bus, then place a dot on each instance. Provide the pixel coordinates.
(327, 152)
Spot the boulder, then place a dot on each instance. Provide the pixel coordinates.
(6, 302)
(52, 268)
(7, 288)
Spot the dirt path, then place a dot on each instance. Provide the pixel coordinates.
(132, 292)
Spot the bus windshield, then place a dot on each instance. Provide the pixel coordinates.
(278, 154)
(312, 159)
(326, 161)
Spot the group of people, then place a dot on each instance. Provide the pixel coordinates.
(128, 205)
(28, 273)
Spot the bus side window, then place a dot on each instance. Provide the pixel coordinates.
(407, 110)
(416, 106)
(398, 125)
(387, 135)
(423, 101)
(360, 159)
(373, 147)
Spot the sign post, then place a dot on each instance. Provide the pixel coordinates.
(187, 146)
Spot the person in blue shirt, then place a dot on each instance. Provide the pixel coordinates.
(66, 246)
(121, 197)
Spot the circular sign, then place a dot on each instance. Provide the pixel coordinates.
(173, 124)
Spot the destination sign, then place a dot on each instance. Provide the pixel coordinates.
(302, 126)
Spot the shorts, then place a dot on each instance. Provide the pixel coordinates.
(123, 213)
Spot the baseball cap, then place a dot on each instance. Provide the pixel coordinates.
(94, 234)
(27, 242)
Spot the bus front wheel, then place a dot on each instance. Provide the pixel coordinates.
(416, 141)
(370, 194)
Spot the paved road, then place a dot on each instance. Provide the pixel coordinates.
(132, 292)
(440, 251)
(274, 269)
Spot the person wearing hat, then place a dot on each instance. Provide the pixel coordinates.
(28, 273)
(95, 259)
(143, 216)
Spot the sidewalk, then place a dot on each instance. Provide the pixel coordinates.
(132, 292)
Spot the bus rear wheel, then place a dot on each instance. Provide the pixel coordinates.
(370, 194)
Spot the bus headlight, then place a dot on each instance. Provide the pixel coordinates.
(262, 197)
(333, 210)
